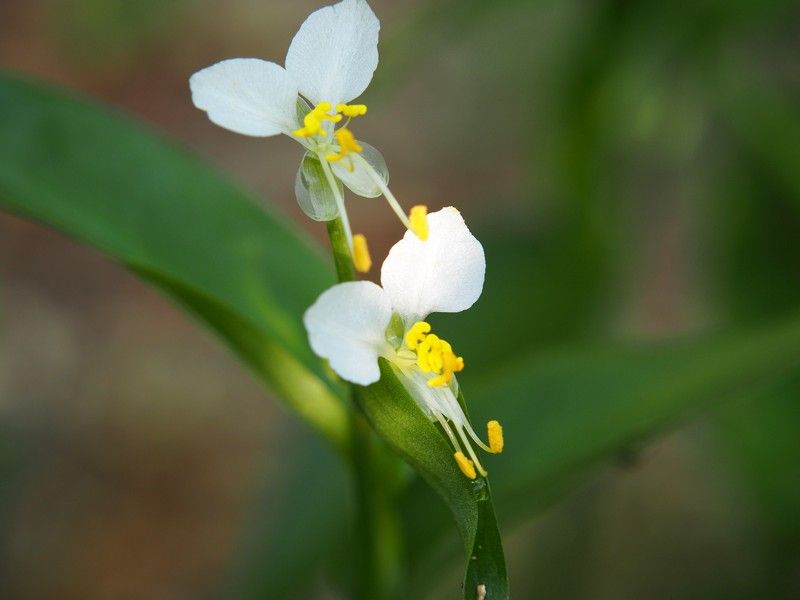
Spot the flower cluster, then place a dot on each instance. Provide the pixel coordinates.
(438, 266)
(353, 324)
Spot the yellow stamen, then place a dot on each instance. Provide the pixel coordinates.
(312, 122)
(434, 355)
(466, 465)
(416, 334)
(418, 217)
(495, 432)
(347, 144)
(442, 379)
(347, 141)
(361, 258)
(428, 352)
(352, 110)
(453, 363)
(311, 126)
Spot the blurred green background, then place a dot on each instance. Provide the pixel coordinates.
(633, 170)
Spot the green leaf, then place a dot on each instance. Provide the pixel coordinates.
(565, 412)
(765, 122)
(759, 437)
(394, 414)
(108, 182)
(289, 532)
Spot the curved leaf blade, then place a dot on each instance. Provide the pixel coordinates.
(108, 182)
(567, 411)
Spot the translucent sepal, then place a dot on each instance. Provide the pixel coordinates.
(356, 177)
(313, 192)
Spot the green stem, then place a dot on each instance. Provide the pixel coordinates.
(342, 257)
(334, 185)
(375, 471)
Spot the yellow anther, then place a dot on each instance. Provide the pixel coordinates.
(347, 144)
(466, 465)
(311, 126)
(416, 334)
(312, 122)
(495, 432)
(442, 379)
(347, 141)
(438, 348)
(428, 354)
(434, 355)
(453, 363)
(361, 258)
(352, 110)
(418, 217)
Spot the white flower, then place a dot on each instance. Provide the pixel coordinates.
(331, 59)
(353, 324)
(330, 62)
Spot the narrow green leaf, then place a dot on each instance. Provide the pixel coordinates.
(396, 417)
(565, 412)
(289, 533)
(310, 398)
(760, 440)
(766, 123)
(108, 182)
(486, 563)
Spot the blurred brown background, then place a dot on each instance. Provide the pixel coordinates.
(137, 450)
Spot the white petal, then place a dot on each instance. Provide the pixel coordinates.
(247, 95)
(441, 274)
(334, 54)
(347, 325)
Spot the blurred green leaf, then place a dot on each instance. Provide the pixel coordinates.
(760, 438)
(401, 423)
(108, 182)
(765, 122)
(750, 234)
(570, 410)
(755, 221)
(567, 411)
(290, 532)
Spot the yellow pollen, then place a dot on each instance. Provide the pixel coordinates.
(466, 465)
(429, 357)
(352, 110)
(442, 379)
(418, 217)
(347, 144)
(434, 355)
(495, 432)
(361, 258)
(416, 334)
(312, 122)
